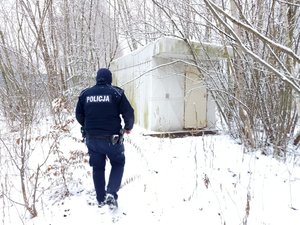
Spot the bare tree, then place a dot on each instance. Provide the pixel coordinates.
(49, 50)
(263, 72)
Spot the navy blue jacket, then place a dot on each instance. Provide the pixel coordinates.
(99, 109)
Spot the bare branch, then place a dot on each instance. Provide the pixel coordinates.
(282, 76)
(283, 48)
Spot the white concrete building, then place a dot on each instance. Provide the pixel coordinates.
(167, 93)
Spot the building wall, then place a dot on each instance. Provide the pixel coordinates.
(130, 72)
(167, 99)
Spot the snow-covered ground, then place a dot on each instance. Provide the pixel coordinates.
(192, 180)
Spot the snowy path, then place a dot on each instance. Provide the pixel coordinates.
(204, 180)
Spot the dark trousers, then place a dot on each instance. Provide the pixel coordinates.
(99, 150)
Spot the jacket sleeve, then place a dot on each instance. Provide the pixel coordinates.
(127, 112)
(80, 116)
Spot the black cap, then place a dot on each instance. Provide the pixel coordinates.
(104, 76)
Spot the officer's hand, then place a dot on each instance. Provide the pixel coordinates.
(127, 131)
(82, 132)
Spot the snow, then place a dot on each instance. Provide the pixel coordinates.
(190, 180)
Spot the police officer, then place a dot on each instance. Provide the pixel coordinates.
(99, 110)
